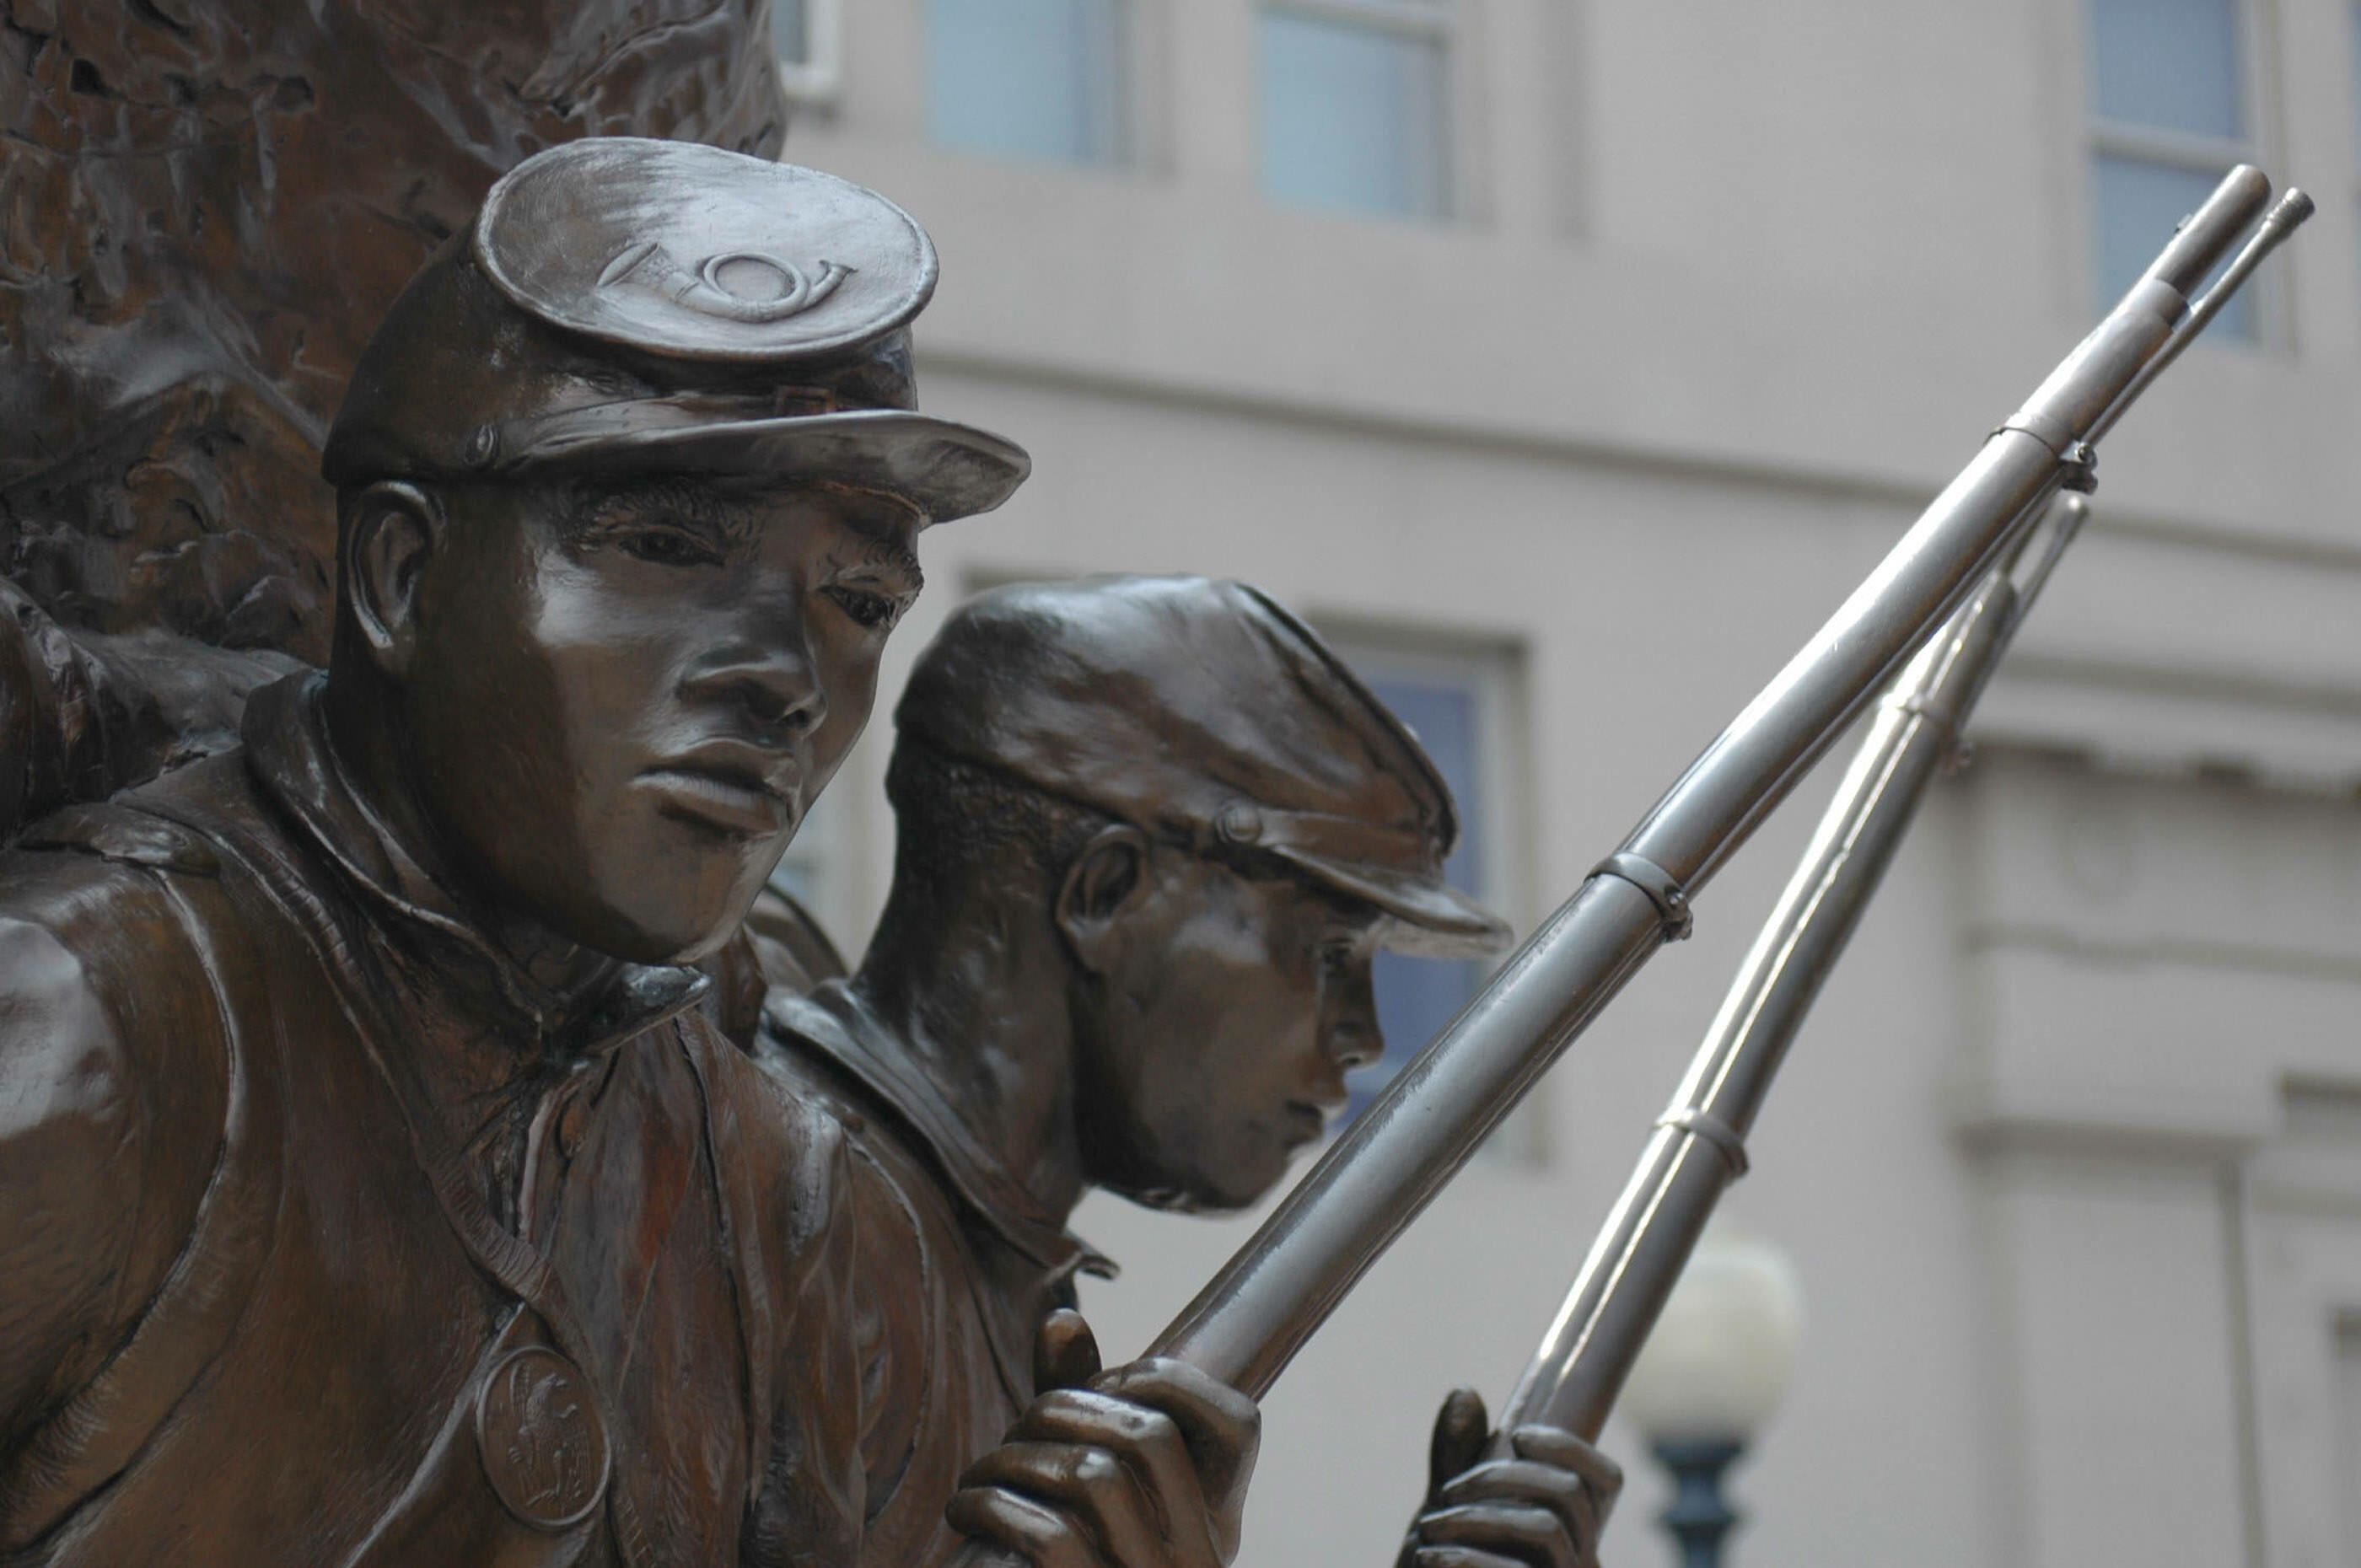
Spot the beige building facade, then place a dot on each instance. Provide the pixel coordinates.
(1577, 357)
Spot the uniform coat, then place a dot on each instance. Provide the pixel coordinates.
(295, 1157)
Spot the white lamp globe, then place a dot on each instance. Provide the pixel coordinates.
(1720, 1359)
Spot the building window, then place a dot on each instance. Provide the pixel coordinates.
(1459, 705)
(1040, 79)
(1355, 104)
(809, 36)
(2172, 110)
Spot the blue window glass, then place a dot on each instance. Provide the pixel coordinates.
(1039, 80)
(2139, 205)
(791, 30)
(2171, 65)
(1352, 114)
(2169, 102)
(1416, 997)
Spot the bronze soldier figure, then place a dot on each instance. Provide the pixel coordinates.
(377, 1193)
(1150, 833)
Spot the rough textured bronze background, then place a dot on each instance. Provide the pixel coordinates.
(204, 207)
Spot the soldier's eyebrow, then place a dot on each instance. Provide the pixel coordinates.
(733, 520)
(878, 526)
(897, 557)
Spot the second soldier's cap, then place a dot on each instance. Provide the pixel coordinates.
(1204, 710)
(628, 306)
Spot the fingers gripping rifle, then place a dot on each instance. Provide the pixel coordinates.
(1699, 1146)
(1247, 1325)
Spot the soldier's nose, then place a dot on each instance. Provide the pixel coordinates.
(776, 690)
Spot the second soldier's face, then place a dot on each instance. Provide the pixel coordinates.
(625, 699)
(1216, 1046)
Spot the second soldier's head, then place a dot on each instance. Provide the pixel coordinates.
(630, 482)
(1220, 824)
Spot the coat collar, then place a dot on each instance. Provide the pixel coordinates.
(835, 1021)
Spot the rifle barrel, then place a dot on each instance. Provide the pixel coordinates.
(1249, 1323)
(1697, 1147)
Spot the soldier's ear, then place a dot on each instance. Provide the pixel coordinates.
(1102, 883)
(390, 532)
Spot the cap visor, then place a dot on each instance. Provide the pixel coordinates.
(1430, 919)
(945, 469)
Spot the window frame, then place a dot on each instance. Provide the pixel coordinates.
(819, 78)
(2187, 151)
(1443, 23)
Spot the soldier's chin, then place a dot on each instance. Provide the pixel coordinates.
(1199, 1191)
(663, 921)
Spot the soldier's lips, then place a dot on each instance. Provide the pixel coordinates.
(730, 797)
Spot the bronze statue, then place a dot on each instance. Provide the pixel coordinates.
(208, 203)
(378, 1193)
(1150, 833)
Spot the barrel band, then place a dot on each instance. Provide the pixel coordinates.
(2044, 427)
(1663, 892)
(2077, 461)
(1715, 1130)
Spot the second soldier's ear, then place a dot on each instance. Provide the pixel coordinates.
(391, 532)
(1102, 883)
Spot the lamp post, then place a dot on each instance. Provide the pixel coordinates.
(1712, 1374)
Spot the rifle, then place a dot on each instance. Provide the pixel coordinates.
(1249, 1323)
(1699, 1146)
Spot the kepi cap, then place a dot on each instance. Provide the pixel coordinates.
(1204, 710)
(625, 306)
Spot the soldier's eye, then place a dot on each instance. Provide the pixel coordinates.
(867, 610)
(670, 547)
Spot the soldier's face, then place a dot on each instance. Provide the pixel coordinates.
(624, 700)
(1218, 1038)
